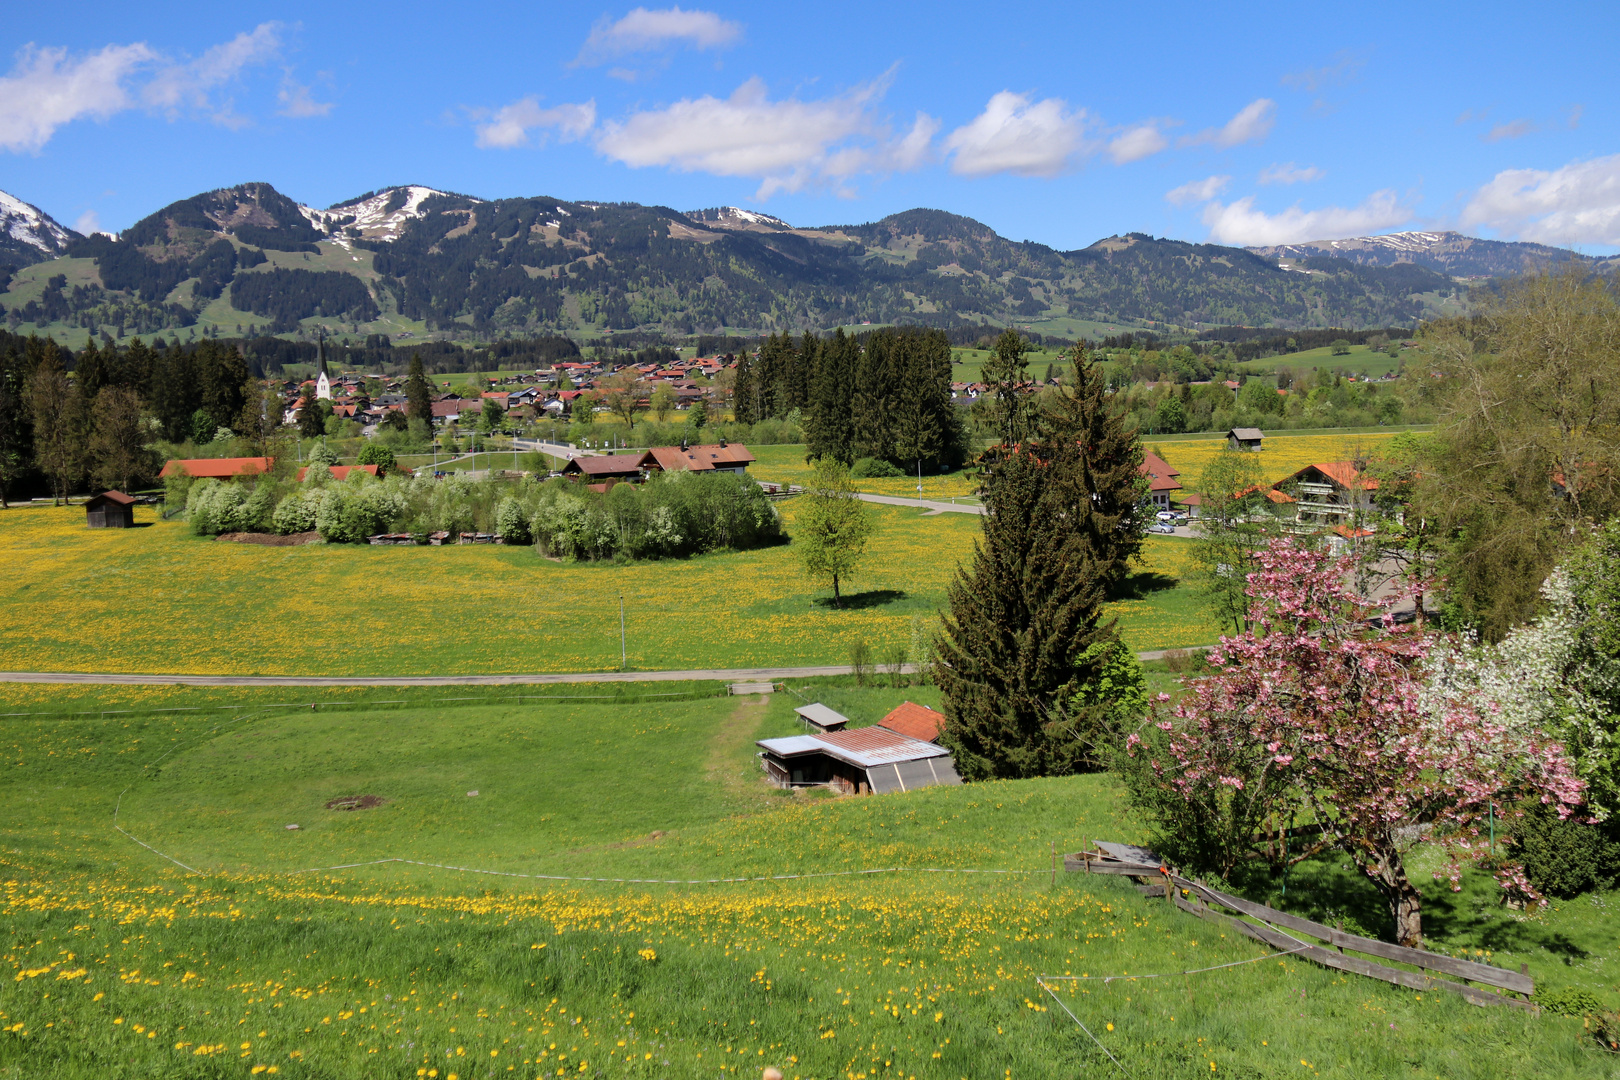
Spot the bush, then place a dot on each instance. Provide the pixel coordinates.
(873, 468)
(1569, 1001)
(294, 514)
(1567, 858)
(323, 455)
(511, 522)
(375, 453)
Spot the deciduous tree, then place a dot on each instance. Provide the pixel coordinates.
(119, 434)
(832, 526)
(58, 417)
(1314, 714)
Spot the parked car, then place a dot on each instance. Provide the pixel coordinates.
(1165, 515)
(1162, 527)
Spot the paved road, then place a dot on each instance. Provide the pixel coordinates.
(710, 674)
(928, 505)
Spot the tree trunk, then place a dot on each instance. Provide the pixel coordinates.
(1387, 871)
(837, 601)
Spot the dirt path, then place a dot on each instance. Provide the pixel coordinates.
(735, 732)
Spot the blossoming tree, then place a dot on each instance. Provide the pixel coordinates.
(1321, 710)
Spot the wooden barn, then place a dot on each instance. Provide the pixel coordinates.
(858, 761)
(110, 510)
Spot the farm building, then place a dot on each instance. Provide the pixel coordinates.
(110, 510)
(914, 721)
(223, 468)
(820, 717)
(859, 761)
(1327, 494)
(605, 467)
(1244, 438)
(724, 457)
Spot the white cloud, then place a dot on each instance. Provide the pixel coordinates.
(296, 100)
(1290, 174)
(1015, 135)
(1310, 80)
(510, 125)
(1252, 124)
(1197, 191)
(191, 84)
(787, 144)
(643, 30)
(46, 89)
(1136, 143)
(1241, 225)
(88, 223)
(1577, 204)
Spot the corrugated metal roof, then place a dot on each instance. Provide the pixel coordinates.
(861, 747)
(821, 716)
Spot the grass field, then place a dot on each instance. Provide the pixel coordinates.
(121, 964)
(159, 599)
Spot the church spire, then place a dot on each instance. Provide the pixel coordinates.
(323, 381)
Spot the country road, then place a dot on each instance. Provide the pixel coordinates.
(700, 674)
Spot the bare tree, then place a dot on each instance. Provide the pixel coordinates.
(58, 415)
(118, 439)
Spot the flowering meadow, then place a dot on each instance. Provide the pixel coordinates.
(1281, 455)
(120, 963)
(158, 599)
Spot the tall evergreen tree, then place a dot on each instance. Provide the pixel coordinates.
(222, 374)
(744, 391)
(175, 393)
(1007, 376)
(418, 396)
(134, 368)
(1024, 646)
(16, 429)
(92, 369)
(831, 428)
(1099, 461)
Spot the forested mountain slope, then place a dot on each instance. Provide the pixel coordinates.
(414, 259)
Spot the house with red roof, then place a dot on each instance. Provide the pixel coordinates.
(721, 457)
(1328, 494)
(1161, 479)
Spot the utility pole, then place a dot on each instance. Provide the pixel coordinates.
(623, 662)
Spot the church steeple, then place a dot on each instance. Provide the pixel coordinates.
(323, 381)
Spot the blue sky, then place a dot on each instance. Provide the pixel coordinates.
(1061, 123)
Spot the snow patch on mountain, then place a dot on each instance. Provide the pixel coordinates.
(377, 217)
(736, 216)
(28, 224)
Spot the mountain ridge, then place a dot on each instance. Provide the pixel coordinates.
(415, 258)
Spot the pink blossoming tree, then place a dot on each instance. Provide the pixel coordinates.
(1316, 713)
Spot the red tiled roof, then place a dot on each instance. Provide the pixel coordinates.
(1161, 476)
(201, 468)
(914, 721)
(609, 465)
(117, 497)
(340, 472)
(1343, 473)
(702, 458)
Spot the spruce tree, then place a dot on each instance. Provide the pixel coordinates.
(1099, 461)
(418, 398)
(1007, 375)
(831, 429)
(745, 391)
(1024, 646)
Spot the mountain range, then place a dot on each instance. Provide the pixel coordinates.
(414, 260)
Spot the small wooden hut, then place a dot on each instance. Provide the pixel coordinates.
(110, 510)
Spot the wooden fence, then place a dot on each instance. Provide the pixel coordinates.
(1273, 928)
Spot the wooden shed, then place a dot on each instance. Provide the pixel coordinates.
(856, 761)
(110, 510)
(1244, 438)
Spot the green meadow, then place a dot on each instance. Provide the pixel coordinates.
(124, 964)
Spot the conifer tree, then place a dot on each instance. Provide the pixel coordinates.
(418, 398)
(831, 428)
(1006, 374)
(744, 392)
(16, 430)
(1024, 646)
(91, 369)
(1099, 461)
